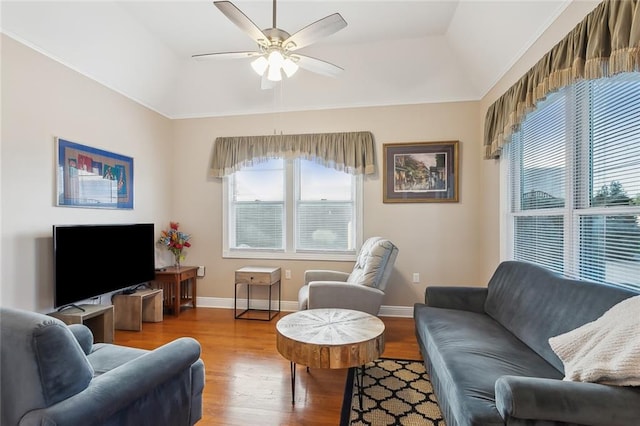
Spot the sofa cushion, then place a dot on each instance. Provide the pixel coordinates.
(536, 304)
(606, 350)
(470, 351)
(105, 357)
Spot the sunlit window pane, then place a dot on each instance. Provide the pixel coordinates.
(318, 182)
(263, 181)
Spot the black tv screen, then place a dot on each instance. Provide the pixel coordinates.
(90, 260)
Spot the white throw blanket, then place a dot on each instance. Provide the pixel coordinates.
(606, 350)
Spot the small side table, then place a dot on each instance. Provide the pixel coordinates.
(178, 285)
(99, 319)
(261, 276)
(132, 309)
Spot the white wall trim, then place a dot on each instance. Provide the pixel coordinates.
(292, 306)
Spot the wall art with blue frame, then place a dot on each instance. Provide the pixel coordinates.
(93, 178)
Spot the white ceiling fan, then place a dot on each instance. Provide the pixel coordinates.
(276, 47)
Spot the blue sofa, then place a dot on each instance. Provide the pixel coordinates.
(54, 375)
(487, 352)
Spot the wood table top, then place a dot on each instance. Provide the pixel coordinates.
(330, 338)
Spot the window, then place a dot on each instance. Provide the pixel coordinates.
(574, 182)
(292, 209)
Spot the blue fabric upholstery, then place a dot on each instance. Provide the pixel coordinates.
(487, 351)
(53, 375)
(535, 304)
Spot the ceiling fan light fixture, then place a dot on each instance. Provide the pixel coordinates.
(260, 65)
(275, 59)
(289, 67)
(274, 73)
(275, 45)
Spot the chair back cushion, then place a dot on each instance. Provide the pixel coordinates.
(374, 263)
(42, 363)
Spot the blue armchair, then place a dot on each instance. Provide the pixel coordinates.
(53, 374)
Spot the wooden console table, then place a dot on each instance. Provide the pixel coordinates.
(132, 309)
(99, 319)
(178, 285)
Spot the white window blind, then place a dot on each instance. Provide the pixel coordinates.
(325, 208)
(574, 179)
(609, 200)
(538, 186)
(292, 209)
(257, 207)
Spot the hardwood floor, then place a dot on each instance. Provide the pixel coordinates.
(247, 380)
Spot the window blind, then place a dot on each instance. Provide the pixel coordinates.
(574, 182)
(292, 208)
(258, 207)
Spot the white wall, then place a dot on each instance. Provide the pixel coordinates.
(42, 99)
(441, 241)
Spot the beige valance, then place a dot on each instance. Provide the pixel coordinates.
(606, 42)
(351, 152)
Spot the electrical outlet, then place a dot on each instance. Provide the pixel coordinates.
(416, 277)
(287, 274)
(200, 271)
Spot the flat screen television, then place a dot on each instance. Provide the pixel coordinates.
(91, 260)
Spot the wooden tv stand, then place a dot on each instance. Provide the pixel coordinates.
(99, 319)
(132, 309)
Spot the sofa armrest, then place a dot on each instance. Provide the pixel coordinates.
(83, 335)
(532, 398)
(463, 298)
(334, 294)
(119, 388)
(324, 275)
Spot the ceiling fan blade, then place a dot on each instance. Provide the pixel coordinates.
(315, 31)
(226, 55)
(316, 65)
(241, 20)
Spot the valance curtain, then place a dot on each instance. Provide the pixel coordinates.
(606, 42)
(351, 152)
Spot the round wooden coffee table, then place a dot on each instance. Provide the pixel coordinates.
(329, 338)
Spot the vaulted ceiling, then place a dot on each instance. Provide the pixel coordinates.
(393, 52)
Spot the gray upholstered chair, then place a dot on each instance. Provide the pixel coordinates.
(53, 374)
(361, 290)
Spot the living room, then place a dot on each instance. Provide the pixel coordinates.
(42, 99)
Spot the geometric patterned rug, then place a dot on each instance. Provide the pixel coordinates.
(395, 392)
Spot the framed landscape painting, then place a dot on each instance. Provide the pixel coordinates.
(92, 178)
(420, 172)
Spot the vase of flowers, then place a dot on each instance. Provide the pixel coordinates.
(175, 241)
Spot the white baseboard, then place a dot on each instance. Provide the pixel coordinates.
(291, 306)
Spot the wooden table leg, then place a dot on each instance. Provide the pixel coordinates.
(176, 296)
(193, 291)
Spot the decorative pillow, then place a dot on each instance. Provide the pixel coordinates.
(606, 350)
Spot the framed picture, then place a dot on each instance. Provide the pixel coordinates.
(420, 172)
(93, 178)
